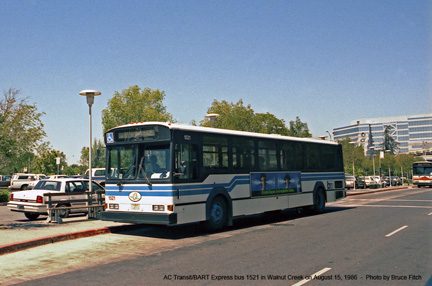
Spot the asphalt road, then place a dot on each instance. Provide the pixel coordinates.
(376, 239)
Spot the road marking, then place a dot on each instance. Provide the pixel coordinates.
(397, 230)
(430, 214)
(304, 281)
(387, 206)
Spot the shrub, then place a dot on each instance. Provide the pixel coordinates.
(4, 195)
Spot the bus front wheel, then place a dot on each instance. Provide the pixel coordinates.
(218, 215)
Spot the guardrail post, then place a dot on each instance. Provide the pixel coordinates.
(49, 206)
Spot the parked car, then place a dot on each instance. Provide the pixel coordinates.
(22, 181)
(98, 175)
(368, 181)
(376, 179)
(349, 182)
(360, 183)
(396, 181)
(5, 181)
(58, 176)
(31, 202)
(33, 184)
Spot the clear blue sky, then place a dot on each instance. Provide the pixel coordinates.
(328, 62)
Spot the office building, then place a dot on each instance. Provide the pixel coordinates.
(413, 132)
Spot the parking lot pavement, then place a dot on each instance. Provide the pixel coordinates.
(15, 236)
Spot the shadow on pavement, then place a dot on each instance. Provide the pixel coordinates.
(198, 229)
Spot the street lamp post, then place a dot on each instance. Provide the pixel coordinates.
(212, 117)
(90, 94)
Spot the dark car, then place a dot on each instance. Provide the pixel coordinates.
(360, 183)
(396, 181)
(5, 181)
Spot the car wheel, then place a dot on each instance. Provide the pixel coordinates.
(31, 216)
(63, 213)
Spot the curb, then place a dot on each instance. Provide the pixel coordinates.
(14, 247)
(377, 191)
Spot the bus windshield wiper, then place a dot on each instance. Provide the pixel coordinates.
(140, 169)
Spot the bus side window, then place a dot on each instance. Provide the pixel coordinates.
(186, 163)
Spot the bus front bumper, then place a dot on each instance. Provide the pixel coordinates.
(139, 217)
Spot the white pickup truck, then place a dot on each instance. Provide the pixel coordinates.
(22, 181)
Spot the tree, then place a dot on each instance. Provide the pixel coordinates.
(389, 142)
(98, 155)
(233, 116)
(46, 162)
(353, 156)
(270, 124)
(135, 104)
(20, 133)
(237, 116)
(299, 129)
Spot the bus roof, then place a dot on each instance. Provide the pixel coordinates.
(184, 127)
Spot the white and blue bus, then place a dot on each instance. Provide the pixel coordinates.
(163, 173)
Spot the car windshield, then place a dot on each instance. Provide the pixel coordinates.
(142, 162)
(349, 178)
(48, 185)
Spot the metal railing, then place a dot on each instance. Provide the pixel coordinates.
(58, 204)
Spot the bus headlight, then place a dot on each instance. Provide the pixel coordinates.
(158, 208)
(113, 206)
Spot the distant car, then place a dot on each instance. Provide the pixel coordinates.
(5, 181)
(58, 176)
(376, 179)
(368, 181)
(98, 175)
(22, 181)
(360, 183)
(31, 202)
(396, 181)
(386, 181)
(349, 182)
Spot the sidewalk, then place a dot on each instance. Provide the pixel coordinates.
(371, 191)
(20, 236)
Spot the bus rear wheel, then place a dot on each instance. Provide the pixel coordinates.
(319, 202)
(218, 215)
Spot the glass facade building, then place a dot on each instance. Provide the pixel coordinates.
(414, 133)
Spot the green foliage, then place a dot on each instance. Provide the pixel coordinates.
(4, 195)
(353, 157)
(389, 142)
(135, 104)
(237, 116)
(98, 155)
(20, 133)
(46, 162)
(299, 129)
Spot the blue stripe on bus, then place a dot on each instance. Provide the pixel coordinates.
(201, 189)
(166, 191)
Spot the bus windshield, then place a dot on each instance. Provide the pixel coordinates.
(138, 162)
(422, 170)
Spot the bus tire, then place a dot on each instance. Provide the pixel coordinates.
(319, 201)
(31, 216)
(218, 215)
